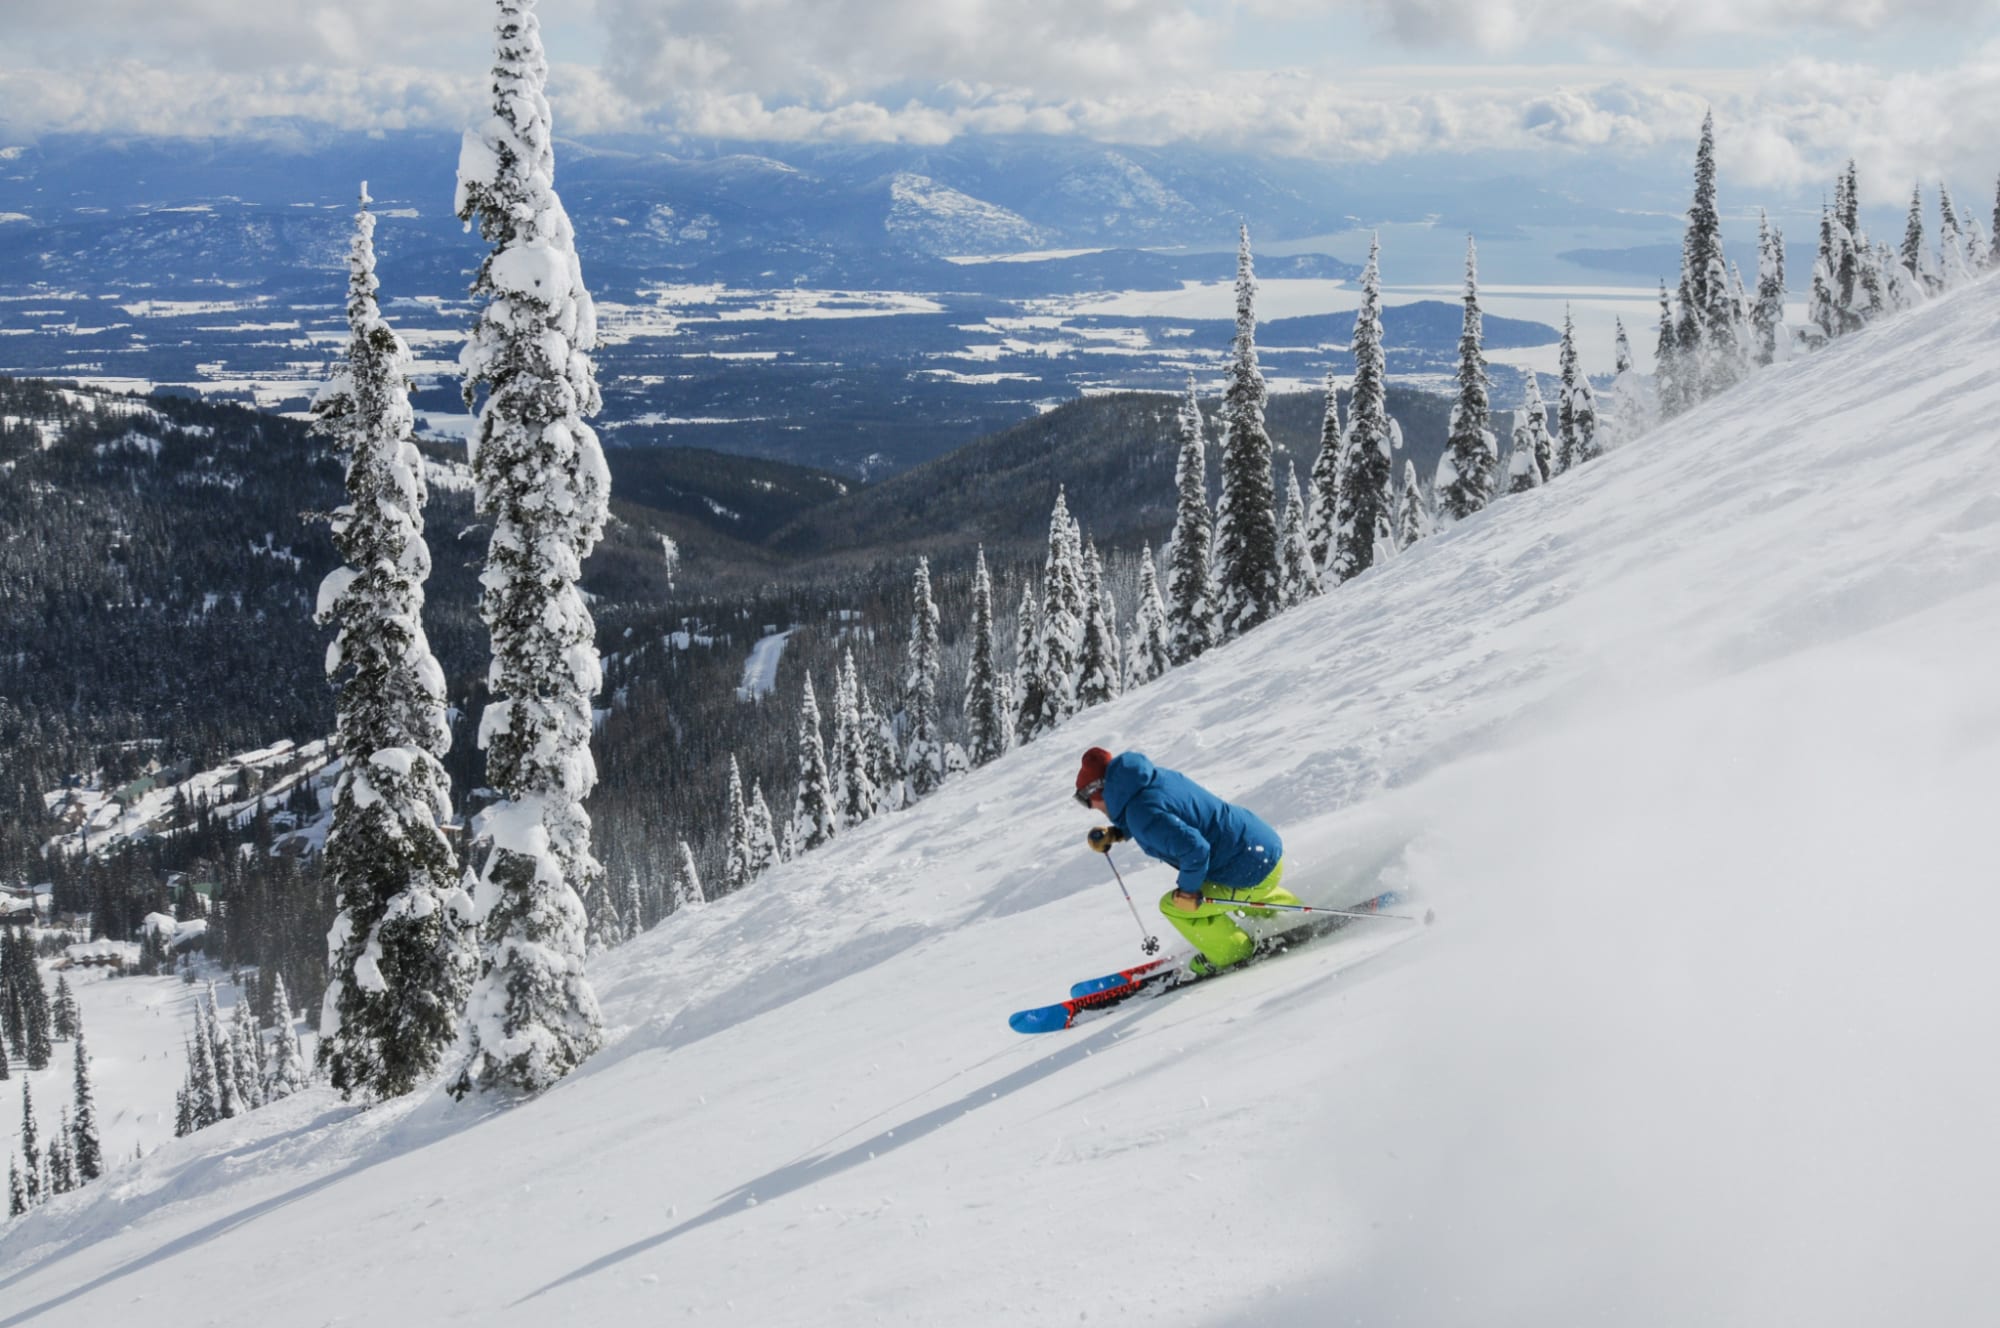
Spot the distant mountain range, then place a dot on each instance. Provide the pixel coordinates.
(812, 303)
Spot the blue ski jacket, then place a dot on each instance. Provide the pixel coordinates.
(1176, 820)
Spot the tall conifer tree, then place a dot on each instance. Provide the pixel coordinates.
(687, 881)
(1413, 518)
(924, 756)
(1705, 278)
(1150, 653)
(1190, 611)
(1363, 523)
(1913, 236)
(1768, 318)
(1300, 577)
(986, 709)
(1323, 512)
(288, 1063)
(1670, 376)
(1248, 576)
(1097, 674)
(399, 956)
(814, 816)
(1469, 469)
(858, 799)
(763, 832)
(31, 1155)
(1061, 622)
(540, 478)
(1028, 698)
(736, 829)
(88, 1148)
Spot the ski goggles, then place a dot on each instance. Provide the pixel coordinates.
(1089, 791)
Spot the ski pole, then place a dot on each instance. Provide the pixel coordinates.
(1151, 945)
(1429, 917)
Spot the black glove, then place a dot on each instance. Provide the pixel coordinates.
(1104, 836)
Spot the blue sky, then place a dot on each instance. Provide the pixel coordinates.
(1911, 88)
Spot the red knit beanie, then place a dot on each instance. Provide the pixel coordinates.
(1092, 769)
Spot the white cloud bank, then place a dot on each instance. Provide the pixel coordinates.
(1127, 71)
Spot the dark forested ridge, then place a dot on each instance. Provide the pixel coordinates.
(1113, 455)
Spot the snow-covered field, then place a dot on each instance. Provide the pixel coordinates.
(1692, 753)
(134, 1028)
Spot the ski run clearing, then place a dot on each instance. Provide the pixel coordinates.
(1692, 752)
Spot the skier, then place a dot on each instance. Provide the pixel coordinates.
(1229, 859)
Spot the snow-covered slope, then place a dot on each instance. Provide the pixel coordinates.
(1691, 751)
(938, 219)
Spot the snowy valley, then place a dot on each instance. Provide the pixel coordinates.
(1690, 752)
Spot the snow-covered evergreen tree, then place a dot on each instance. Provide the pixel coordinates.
(1772, 337)
(1362, 524)
(1823, 312)
(1028, 699)
(1300, 576)
(31, 1154)
(1953, 266)
(243, 1056)
(1706, 290)
(1523, 471)
(1190, 610)
(1053, 686)
(1150, 652)
(736, 832)
(1567, 373)
(1531, 439)
(763, 833)
(923, 722)
(86, 1146)
(62, 1160)
(17, 1189)
(687, 881)
(1323, 509)
(1097, 672)
(987, 711)
(858, 800)
(222, 1057)
(1913, 256)
(1670, 391)
(204, 1094)
(288, 1063)
(885, 758)
(1977, 253)
(1413, 518)
(1578, 411)
(1630, 412)
(62, 1010)
(1845, 266)
(1248, 576)
(814, 816)
(399, 955)
(540, 478)
(1469, 469)
(1994, 255)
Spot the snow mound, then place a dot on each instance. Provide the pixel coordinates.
(1691, 751)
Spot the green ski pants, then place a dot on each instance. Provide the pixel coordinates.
(1211, 926)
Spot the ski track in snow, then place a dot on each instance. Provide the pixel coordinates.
(1691, 750)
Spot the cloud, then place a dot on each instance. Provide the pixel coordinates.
(836, 50)
(243, 35)
(129, 97)
(1783, 128)
(1646, 27)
